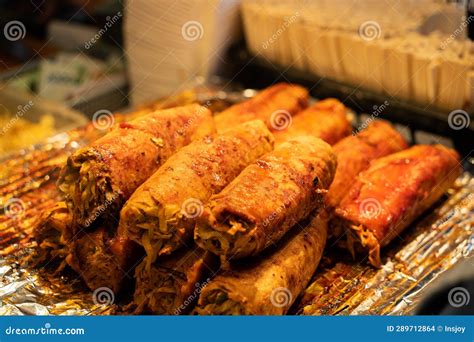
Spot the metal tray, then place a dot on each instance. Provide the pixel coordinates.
(435, 243)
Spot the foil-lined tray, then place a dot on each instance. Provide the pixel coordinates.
(435, 243)
(431, 246)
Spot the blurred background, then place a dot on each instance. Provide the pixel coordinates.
(73, 58)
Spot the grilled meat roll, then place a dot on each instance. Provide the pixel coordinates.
(271, 105)
(98, 256)
(161, 214)
(172, 285)
(270, 196)
(99, 178)
(392, 192)
(326, 119)
(270, 284)
(355, 153)
(51, 235)
(102, 259)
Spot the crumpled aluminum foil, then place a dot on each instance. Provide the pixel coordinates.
(341, 286)
(26, 190)
(433, 245)
(26, 291)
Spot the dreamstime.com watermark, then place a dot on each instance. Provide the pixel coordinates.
(281, 297)
(14, 30)
(103, 296)
(274, 214)
(286, 23)
(204, 107)
(14, 207)
(370, 30)
(459, 119)
(456, 32)
(457, 210)
(192, 297)
(458, 296)
(46, 330)
(103, 119)
(101, 209)
(375, 113)
(192, 208)
(370, 208)
(21, 110)
(110, 21)
(192, 30)
(280, 120)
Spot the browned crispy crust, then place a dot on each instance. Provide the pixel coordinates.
(172, 285)
(161, 213)
(326, 119)
(355, 153)
(103, 260)
(279, 97)
(270, 284)
(98, 256)
(51, 235)
(99, 178)
(396, 189)
(267, 199)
